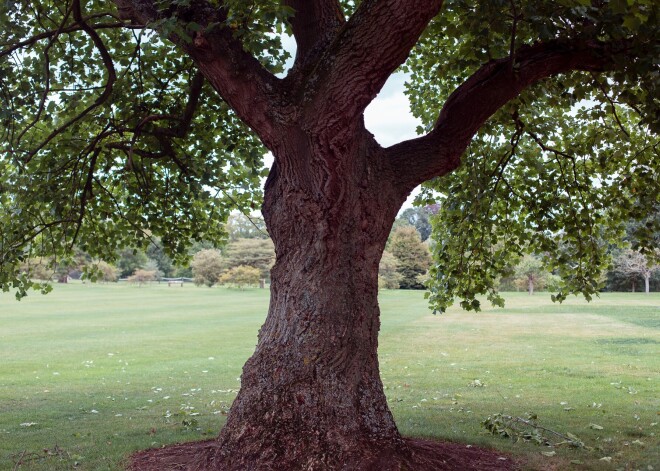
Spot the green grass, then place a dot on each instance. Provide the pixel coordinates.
(102, 370)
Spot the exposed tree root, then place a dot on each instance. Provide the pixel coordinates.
(423, 455)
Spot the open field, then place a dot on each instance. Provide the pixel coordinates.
(90, 373)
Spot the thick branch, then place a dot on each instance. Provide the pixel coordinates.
(314, 24)
(239, 78)
(486, 91)
(375, 41)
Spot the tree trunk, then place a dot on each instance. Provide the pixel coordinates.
(311, 395)
(647, 279)
(530, 285)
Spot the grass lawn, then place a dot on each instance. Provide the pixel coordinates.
(91, 373)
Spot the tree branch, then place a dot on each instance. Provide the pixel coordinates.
(372, 44)
(112, 77)
(486, 91)
(249, 89)
(63, 30)
(314, 24)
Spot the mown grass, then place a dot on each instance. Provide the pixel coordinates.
(90, 373)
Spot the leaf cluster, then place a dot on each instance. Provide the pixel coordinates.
(110, 139)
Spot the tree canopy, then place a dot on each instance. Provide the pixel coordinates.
(106, 139)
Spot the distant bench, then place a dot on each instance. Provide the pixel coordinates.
(175, 283)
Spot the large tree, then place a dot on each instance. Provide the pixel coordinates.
(633, 264)
(128, 119)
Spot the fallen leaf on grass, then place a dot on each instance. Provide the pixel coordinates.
(595, 426)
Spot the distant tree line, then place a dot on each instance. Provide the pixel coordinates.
(406, 259)
(248, 255)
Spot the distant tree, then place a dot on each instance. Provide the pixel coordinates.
(388, 276)
(129, 260)
(412, 256)
(72, 266)
(240, 226)
(632, 264)
(419, 219)
(183, 272)
(140, 276)
(106, 271)
(529, 273)
(152, 265)
(240, 276)
(163, 261)
(257, 253)
(38, 268)
(207, 265)
(47, 268)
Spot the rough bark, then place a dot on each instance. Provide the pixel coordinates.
(311, 396)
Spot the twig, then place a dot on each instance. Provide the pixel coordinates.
(607, 97)
(20, 458)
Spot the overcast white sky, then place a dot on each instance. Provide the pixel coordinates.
(388, 117)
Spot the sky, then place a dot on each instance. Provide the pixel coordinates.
(388, 117)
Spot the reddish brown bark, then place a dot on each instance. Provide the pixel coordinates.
(311, 395)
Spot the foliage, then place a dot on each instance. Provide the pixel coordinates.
(207, 265)
(632, 264)
(107, 272)
(240, 276)
(528, 429)
(39, 268)
(548, 205)
(530, 273)
(241, 226)
(156, 253)
(388, 274)
(412, 256)
(152, 266)
(47, 268)
(106, 141)
(140, 277)
(255, 252)
(129, 260)
(112, 139)
(419, 218)
(542, 175)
